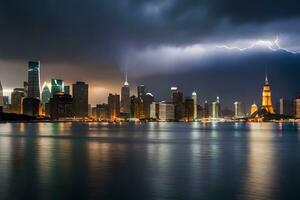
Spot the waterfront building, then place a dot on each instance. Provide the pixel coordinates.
(206, 110)
(61, 106)
(215, 109)
(154, 110)
(113, 106)
(17, 97)
(141, 91)
(194, 97)
(80, 99)
(238, 113)
(297, 107)
(266, 97)
(32, 106)
(147, 101)
(125, 97)
(177, 100)
(166, 111)
(189, 109)
(46, 95)
(101, 112)
(67, 89)
(57, 86)
(33, 79)
(285, 107)
(253, 109)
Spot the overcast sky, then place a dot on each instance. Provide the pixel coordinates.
(218, 48)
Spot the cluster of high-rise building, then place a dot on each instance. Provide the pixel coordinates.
(56, 101)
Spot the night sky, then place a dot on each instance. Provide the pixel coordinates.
(218, 48)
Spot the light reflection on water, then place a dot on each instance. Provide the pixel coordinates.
(149, 161)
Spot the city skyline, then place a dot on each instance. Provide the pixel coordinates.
(159, 43)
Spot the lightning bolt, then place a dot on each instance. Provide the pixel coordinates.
(272, 45)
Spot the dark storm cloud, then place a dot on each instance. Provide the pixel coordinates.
(96, 30)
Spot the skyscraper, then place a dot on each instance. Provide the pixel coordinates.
(285, 107)
(177, 100)
(61, 106)
(57, 86)
(215, 109)
(67, 89)
(1, 95)
(237, 109)
(194, 97)
(80, 99)
(113, 106)
(34, 79)
(206, 110)
(17, 97)
(46, 95)
(125, 97)
(31, 106)
(266, 97)
(189, 109)
(297, 107)
(148, 99)
(141, 91)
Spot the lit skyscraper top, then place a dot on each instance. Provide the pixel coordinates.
(34, 79)
(266, 97)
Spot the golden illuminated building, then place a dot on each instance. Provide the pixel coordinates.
(266, 97)
(253, 108)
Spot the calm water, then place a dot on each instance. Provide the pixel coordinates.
(150, 161)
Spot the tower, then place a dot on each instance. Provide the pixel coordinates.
(34, 79)
(125, 97)
(80, 99)
(266, 97)
(194, 97)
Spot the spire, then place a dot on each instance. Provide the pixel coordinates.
(266, 79)
(126, 82)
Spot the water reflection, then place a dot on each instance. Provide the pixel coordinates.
(148, 161)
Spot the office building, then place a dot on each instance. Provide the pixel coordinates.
(141, 91)
(113, 106)
(80, 99)
(154, 110)
(285, 107)
(17, 97)
(215, 111)
(238, 113)
(125, 97)
(135, 107)
(32, 106)
(166, 111)
(267, 98)
(177, 100)
(33, 79)
(67, 89)
(5, 100)
(297, 107)
(46, 95)
(205, 110)
(194, 97)
(101, 112)
(189, 109)
(57, 86)
(147, 101)
(61, 106)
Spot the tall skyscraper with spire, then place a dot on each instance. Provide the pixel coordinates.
(125, 97)
(34, 79)
(266, 97)
(1, 94)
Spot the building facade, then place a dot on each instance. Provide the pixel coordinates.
(125, 98)
(61, 106)
(80, 99)
(33, 79)
(17, 97)
(267, 98)
(113, 106)
(57, 86)
(32, 106)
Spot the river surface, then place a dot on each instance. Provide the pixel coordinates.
(231, 161)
